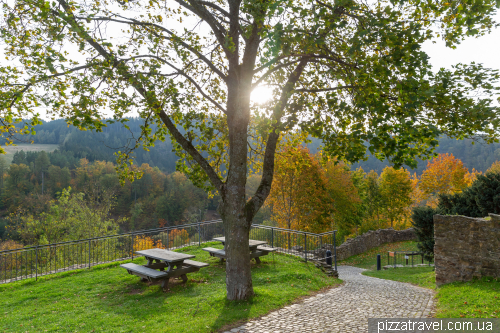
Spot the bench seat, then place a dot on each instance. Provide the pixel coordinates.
(144, 271)
(266, 249)
(217, 252)
(193, 263)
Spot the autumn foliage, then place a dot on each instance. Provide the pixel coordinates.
(299, 195)
(445, 174)
(312, 196)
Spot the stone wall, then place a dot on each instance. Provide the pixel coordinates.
(371, 239)
(466, 247)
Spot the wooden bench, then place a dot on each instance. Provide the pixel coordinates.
(216, 253)
(261, 251)
(265, 249)
(192, 263)
(149, 274)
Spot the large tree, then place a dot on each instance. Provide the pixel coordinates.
(348, 71)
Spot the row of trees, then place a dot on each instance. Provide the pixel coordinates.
(314, 193)
(155, 199)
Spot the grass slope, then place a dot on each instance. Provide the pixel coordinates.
(368, 259)
(419, 276)
(107, 299)
(479, 298)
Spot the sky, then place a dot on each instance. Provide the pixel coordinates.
(485, 50)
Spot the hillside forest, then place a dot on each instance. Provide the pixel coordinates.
(74, 192)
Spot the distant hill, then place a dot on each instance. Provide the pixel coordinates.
(76, 144)
(479, 156)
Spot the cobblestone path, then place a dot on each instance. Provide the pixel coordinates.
(348, 307)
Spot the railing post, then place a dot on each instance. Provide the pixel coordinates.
(305, 246)
(89, 252)
(335, 248)
(272, 237)
(36, 263)
(199, 234)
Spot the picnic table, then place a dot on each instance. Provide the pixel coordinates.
(163, 265)
(256, 248)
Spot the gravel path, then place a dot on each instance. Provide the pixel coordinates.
(348, 307)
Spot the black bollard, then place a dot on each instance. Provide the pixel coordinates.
(378, 263)
(328, 257)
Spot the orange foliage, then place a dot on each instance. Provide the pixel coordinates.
(495, 167)
(445, 174)
(178, 237)
(417, 195)
(145, 243)
(299, 195)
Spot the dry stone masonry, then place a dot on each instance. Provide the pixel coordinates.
(466, 247)
(371, 239)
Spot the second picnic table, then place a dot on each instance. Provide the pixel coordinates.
(256, 248)
(176, 265)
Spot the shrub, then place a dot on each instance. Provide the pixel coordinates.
(423, 222)
(481, 198)
(9, 262)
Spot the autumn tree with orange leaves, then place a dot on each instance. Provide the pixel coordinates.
(299, 195)
(445, 174)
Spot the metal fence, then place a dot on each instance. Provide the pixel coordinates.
(406, 259)
(35, 261)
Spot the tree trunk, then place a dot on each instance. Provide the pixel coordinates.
(238, 274)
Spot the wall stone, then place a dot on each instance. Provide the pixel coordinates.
(466, 247)
(368, 241)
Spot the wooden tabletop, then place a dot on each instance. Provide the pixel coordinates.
(251, 242)
(165, 255)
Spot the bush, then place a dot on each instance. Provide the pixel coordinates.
(423, 222)
(481, 198)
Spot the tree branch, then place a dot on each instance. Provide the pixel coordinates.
(220, 32)
(181, 72)
(262, 192)
(172, 35)
(325, 89)
(149, 97)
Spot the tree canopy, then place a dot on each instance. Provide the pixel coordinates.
(347, 71)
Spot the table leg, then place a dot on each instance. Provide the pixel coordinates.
(164, 284)
(184, 277)
(257, 260)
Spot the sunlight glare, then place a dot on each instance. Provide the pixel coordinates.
(261, 95)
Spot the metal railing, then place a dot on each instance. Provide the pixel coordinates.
(35, 261)
(406, 259)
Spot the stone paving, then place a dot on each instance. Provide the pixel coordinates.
(348, 307)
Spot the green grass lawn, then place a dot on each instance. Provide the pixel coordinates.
(479, 298)
(107, 299)
(368, 260)
(419, 276)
